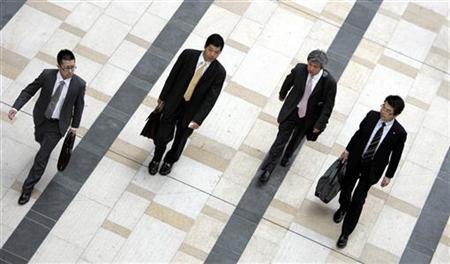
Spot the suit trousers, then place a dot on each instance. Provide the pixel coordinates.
(48, 136)
(291, 130)
(165, 134)
(353, 205)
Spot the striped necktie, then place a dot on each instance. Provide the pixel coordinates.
(370, 152)
(54, 100)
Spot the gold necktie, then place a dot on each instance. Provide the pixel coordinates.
(190, 90)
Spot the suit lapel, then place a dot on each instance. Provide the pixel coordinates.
(71, 91)
(319, 84)
(392, 133)
(208, 71)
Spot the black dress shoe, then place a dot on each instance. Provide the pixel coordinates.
(264, 177)
(339, 215)
(284, 161)
(153, 167)
(24, 198)
(342, 241)
(166, 168)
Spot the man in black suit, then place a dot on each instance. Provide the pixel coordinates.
(60, 104)
(378, 143)
(188, 95)
(306, 109)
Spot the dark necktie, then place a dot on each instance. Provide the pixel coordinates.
(55, 97)
(368, 155)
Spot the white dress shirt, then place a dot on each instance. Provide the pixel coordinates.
(315, 79)
(59, 104)
(386, 129)
(200, 61)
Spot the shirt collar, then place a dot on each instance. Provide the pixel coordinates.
(388, 123)
(317, 76)
(60, 78)
(201, 59)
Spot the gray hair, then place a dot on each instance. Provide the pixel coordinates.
(318, 56)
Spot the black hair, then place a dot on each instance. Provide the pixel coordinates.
(64, 54)
(396, 102)
(215, 40)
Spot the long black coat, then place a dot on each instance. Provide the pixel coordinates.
(72, 109)
(389, 151)
(320, 102)
(205, 94)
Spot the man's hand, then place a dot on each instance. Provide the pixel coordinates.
(315, 130)
(280, 98)
(344, 156)
(160, 105)
(385, 182)
(194, 125)
(73, 130)
(12, 114)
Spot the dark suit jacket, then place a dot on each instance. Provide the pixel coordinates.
(320, 102)
(389, 151)
(205, 94)
(72, 108)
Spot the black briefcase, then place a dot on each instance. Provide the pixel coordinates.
(330, 183)
(152, 125)
(66, 151)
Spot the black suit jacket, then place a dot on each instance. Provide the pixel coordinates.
(320, 102)
(205, 94)
(73, 105)
(389, 151)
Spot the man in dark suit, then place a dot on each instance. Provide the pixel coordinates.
(378, 143)
(188, 95)
(60, 104)
(306, 109)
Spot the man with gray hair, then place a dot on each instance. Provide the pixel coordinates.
(308, 94)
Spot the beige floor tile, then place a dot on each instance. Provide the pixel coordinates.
(107, 192)
(378, 87)
(345, 100)
(369, 51)
(69, 5)
(151, 241)
(103, 247)
(289, 250)
(337, 12)
(225, 123)
(164, 9)
(294, 189)
(425, 87)
(261, 136)
(6, 231)
(229, 191)
(246, 32)
(319, 37)
(183, 258)
(354, 77)
(264, 243)
(196, 174)
(142, 30)
(127, 56)
(386, 234)
(373, 254)
(55, 249)
(381, 28)
(80, 221)
(109, 79)
(308, 163)
(92, 109)
(127, 12)
(260, 11)
(338, 258)
(266, 63)
(203, 235)
(84, 16)
(12, 213)
(281, 39)
(150, 183)
(216, 20)
(99, 39)
(61, 39)
(181, 198)
(441, 255)
(421, 154)
(128, 210)
(437, 116)
(231, 58)
(411, 40)
(22, 30)
(242, 168)
(329, 136)
(397, 8)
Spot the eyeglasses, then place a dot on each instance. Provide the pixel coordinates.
(386, 110)
(72, 68)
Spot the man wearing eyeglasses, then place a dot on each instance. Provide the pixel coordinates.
(377, 144)
(60, 105)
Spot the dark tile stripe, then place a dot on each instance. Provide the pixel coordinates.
(8, 9)
(432, 220)
(46, 211)
(253, 204)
